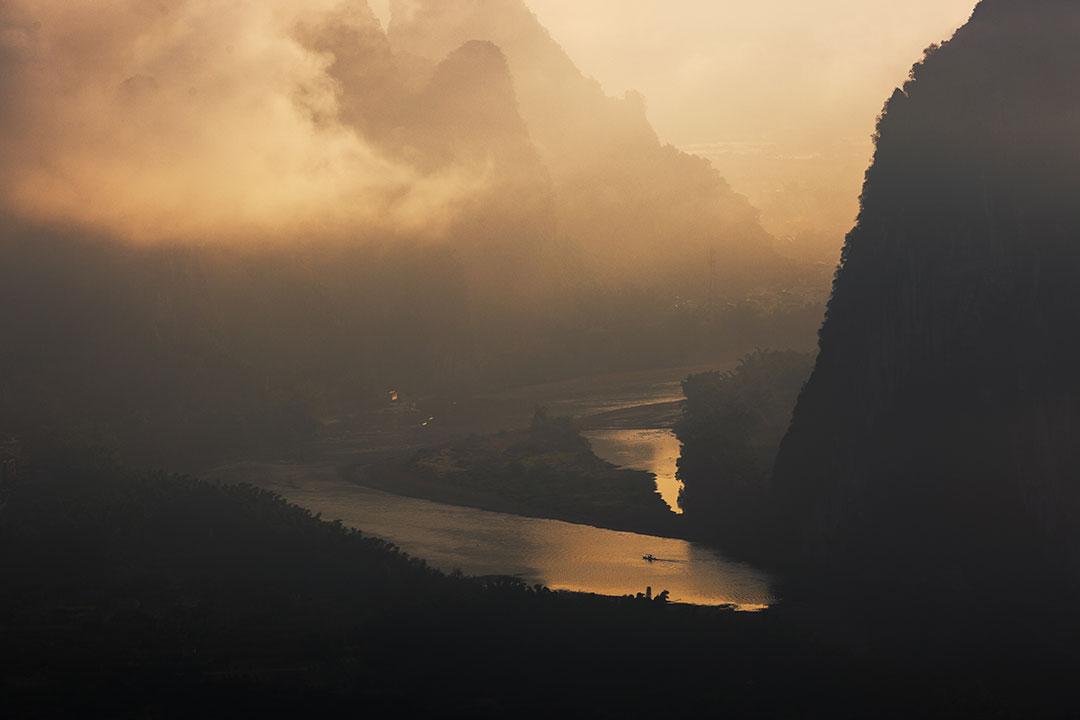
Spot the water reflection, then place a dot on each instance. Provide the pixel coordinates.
(560, 555)
(655, 451)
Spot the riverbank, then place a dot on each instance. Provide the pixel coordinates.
(559, 555)
(545, 471)
(397, 449)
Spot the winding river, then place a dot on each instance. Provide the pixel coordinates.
(561, 555)
(629, 424)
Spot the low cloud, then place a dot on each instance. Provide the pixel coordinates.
(197, 120)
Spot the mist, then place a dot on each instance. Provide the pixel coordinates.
(539, 358)
(200, 121)
(283, 208)
(236, 123)
(780, 95)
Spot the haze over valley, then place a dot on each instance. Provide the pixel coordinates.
(515, 358)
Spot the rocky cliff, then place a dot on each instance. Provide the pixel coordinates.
(938, 441)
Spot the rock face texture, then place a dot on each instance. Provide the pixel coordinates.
(938, 440)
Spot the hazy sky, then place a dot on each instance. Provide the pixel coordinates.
(791, 70)
(737, 70)
(781, 95)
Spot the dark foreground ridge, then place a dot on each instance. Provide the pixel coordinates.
(128, 594)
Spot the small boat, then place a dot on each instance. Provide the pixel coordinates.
(649, 558)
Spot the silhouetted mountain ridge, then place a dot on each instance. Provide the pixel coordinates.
(938, 441)
(625, 198)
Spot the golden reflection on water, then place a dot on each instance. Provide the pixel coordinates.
(561, 555)
(578, 557)
(655, 451)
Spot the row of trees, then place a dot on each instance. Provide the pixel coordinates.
(731, 430)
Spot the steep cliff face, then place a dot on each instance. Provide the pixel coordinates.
(939, 437)
(621, 195)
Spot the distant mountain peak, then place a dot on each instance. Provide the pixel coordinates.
(621, 195)
(471, 94)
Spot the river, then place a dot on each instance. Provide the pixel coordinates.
(628, 419)
(654, 450)
(560, 555)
